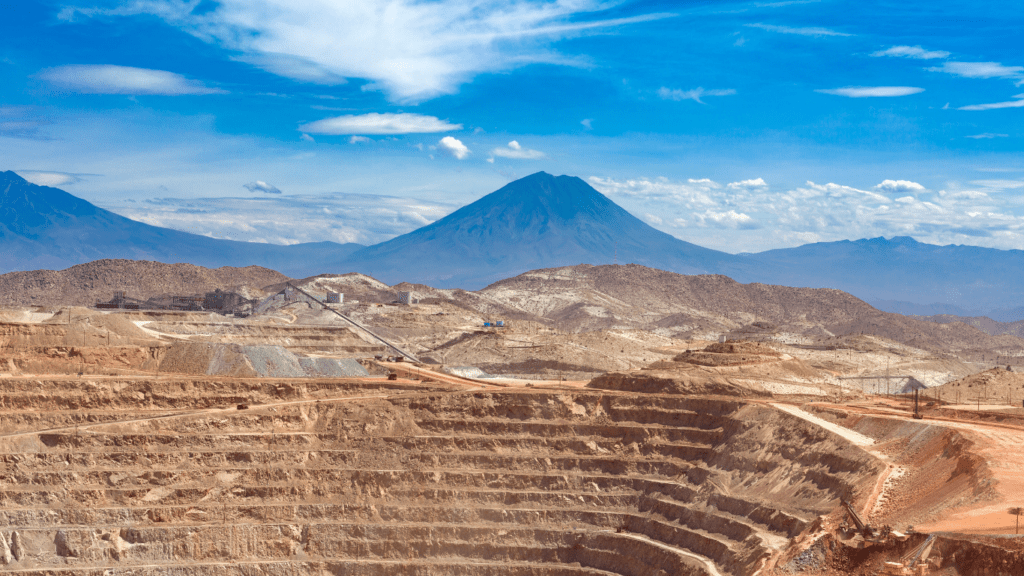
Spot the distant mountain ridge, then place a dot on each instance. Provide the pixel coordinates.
(43, 227)
(540, 221)
(956, 279)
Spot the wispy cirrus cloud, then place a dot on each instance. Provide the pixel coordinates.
(800, 30)
(980, 70)
(379, 124)
(48, 178)
(1018, 103)
(111, 79)
(411, 50)
(872, 91)
(694, 94)
(916, 52)
(987, 136)
(22, 122)
(261, 186)
(515, 151)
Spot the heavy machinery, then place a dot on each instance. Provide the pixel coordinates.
(861, 533)
(913, 563)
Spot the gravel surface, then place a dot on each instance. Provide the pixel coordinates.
(332, 367)
(274, 362)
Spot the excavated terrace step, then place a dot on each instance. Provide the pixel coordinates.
(667, 466)
(560, 429)
(534, 444)
(402, 524)
(83, 549)
(633, 416)
(438, 567)
(334, 467)
(291, 511)
(80, 445)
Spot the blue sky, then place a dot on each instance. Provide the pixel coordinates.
(740, 126)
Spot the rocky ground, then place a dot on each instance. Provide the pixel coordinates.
(605, 429)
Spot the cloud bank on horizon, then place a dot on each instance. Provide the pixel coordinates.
(716, 121)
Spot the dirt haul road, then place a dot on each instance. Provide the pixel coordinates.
(991, 461)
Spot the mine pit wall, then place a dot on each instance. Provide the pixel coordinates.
(981, 556)
(943, 473)
(81, 347)
(32, 404)
(94, 360)
(578, 483)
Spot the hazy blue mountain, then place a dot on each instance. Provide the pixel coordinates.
(43, 227)
(956, 279)
(540, 221)
(543, 221)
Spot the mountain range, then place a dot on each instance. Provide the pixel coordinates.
(43, 227)
(540, 221)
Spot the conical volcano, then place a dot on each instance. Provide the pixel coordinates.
(540, 221)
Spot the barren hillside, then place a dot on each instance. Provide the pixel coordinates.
(85, 284)
(633, 296)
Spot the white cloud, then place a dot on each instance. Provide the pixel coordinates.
(359, 140)
(752, 219)
(756, 183)
(980, 70)
(514, 150)
(896, 186)
(727, 219)
(694, 94)
(964, 195)
(338, 217)
(109, 79)
(453, 147)
(803, 31)
(296, 68)
(374, 123)
(413, 50)
(705, 182)
(587, 123)
(987, 135)
(1019, 103)
(54, 179)
(999, 185)
(872, 91)
(307, 138)
(261, 186)
(911, 52)
(695, 194)
(653, 219)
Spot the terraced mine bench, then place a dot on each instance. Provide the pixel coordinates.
(524, 482)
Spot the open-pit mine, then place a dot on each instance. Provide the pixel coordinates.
(586, 421)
